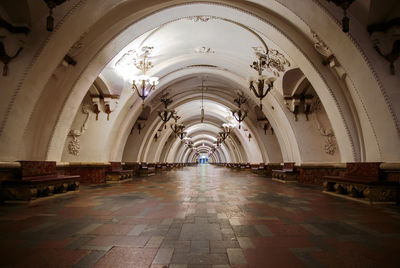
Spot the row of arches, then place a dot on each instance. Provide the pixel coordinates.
(198, 41)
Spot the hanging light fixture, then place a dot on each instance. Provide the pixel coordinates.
(240, 114)
(227, 127)
(223, 135)
(144, 84)
(52, 4)
(166, 114)
(344, 4)
(175, 126)
(267, 59)
(181, 133)
(262, 84)
(202, 102)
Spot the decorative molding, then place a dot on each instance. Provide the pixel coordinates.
(204, 50)
(77, 47)
(74, 146)
(330, 140)
(201, 18)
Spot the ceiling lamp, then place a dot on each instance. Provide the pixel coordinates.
(144, 84)
(166, 114)
(240, 114)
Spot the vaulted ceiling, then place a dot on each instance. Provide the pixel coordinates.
(201, 52)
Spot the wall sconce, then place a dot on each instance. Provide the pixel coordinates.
(96, 106)
(110, 105)
(293, 104)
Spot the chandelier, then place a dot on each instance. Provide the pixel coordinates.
(218, 142)
(166, 114)
(181, 133)
(144, 84)
(227, 129)
(272, 61)
(240, 114)
(202, 103)
(178, 128)
(262, 84)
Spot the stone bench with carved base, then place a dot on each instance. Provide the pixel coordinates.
(363, 187)
(287, 173)
(363, 181)
(30, 188)
(116, 173)
(258, 169)
(147, 169)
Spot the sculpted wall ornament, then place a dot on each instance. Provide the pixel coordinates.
(386, 40)
(74, 146)
(329, 58)
(330, 140)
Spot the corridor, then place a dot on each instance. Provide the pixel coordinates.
(202, 216)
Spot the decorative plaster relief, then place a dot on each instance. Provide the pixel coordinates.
(132, 58)
(204, 50)
(201, 18)
(386, 40)
(274, 61)
(329, 58)
(74, 145)
(330, 141)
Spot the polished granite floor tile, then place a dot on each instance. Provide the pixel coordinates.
(202, 216)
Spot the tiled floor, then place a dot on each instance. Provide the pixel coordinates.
(203, 216)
